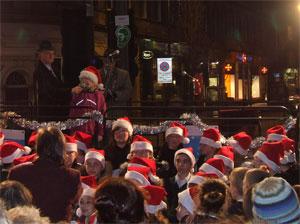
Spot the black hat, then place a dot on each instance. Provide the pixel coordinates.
(46, 45)
(110, 53)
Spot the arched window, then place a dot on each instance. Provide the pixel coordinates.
(16, 89)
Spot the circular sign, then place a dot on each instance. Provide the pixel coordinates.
(164, 66)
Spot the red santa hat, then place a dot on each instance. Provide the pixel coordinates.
(145, 162)
(140, 174)
(10, 150)
(211, 137)
(275, 133)
(95, 154)
(270, 153)
(178, 129)
(25, 159)
(213, 165)
(201, 177)
(187, 151)
(71, 145)
(88, 181)
(123, 122)
(83, 140)
(155, 201)
(1, 137)
(289, 151)
(227, 155)
(93, 74)
(186, 198)
(32, 138)
(241, 142)
(140, 143)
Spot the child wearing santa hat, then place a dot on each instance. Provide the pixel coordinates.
(269, 155)
(209, 145)
(184, 161)
(94, 164)
(72, 152)
(9, 151)
(176, 136)
(119, 146)
(83, 142)
(91, 96)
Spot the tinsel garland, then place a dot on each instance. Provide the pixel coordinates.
(185, 119)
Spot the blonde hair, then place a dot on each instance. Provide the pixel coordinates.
(26, 214)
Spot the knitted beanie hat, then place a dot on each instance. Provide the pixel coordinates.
(275, 201)
(211, 137)
(178, 129)
(123, 122)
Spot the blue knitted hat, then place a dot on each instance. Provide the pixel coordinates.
(275, 201)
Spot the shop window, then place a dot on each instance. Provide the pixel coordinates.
(16, 89)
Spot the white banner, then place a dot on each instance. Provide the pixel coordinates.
(14, 135)
(164, 70)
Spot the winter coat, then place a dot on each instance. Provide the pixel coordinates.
(120, 85)
(54, 187)
(96, 101)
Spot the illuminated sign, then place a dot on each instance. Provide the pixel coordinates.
(244, 58)
(228, 67)
(264, 70)
(148, 54)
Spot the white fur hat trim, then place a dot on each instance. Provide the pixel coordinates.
(95, 155)
(89, 75)
(267, 161)
(138, 177)
(71, 147)
(207, 168)
(124, 124)
(237, 147)
(139, 145)
(155, 208)
(228, 162)
(275, 137)
(196, 180)
(186, 200)
(210, 142)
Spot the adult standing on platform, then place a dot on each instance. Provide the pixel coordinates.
(48, 85)
(117, 84)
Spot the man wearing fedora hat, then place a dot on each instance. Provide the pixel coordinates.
(48, 85)
(116, 81)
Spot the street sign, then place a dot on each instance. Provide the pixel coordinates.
(122, 20)
(164, 70)
(123, 35)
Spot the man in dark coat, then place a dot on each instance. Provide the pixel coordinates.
(117, 84)
(48, 85)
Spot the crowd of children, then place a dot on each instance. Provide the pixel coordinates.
(64, 180)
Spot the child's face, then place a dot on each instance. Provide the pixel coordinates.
(144, 153)
(87, 82)
(93, 167)
(80, 157)
(71, 156)
(86, 205)
(121, 135)
(173, 141)
(181, 211)
(206, 150)
(183, 164)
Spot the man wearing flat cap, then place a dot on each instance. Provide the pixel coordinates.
(116, 81)
(48, 85)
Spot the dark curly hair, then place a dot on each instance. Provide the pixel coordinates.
(119, 201)
(213, 195)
